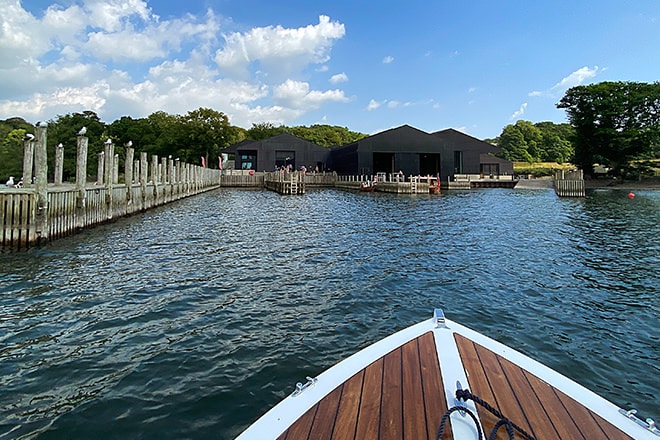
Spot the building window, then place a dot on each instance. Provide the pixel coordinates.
(285, 158)
(248, 160)
(458, 162)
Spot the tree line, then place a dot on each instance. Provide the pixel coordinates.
(616, 124)
(525, 141)
(199, 133)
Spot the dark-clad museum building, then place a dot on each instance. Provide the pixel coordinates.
(405, 148)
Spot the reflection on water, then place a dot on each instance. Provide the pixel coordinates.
(193, 319)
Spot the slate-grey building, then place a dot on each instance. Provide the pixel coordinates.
(410, 150)
(278, 151)
(415, 152)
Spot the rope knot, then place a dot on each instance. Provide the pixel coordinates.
(463, 394)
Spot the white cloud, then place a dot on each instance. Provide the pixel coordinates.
(117, 57)
(112, 15)
(574, 79)
(388, 60)
(373, 105)
(280, 50)
(520, 111)
(339, 78)
(296, 93)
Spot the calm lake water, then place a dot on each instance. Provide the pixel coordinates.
(193, 319)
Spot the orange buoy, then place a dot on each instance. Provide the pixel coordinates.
(631, 195)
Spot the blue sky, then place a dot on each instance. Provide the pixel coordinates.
(475, 66)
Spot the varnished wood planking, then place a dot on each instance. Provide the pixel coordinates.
(435, 405)
(478, 380)
(302, 427)
(554, 415)
(368, 421)
(326, 415)
(593, 426)
(561, 418)
(414, 420)
(370, 404)
(391, 420)
(349, 406)
(539, 422)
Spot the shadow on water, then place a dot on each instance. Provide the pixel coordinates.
(191, 320)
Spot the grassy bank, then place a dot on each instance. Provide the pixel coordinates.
(540, 169)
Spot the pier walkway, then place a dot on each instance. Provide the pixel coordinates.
(42, 211)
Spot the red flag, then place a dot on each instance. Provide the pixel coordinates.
(203, 162)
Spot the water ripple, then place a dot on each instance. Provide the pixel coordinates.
(193, 319)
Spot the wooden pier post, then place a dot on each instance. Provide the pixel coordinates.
(115, 169)
(144, 177)
(41, 181)
(128, 176)
(154, 176)
(170, 176)
(81, 179)
(28, 161)
(107, 176)
(100, 167)
(59, 164)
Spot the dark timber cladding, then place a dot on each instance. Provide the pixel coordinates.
(410, 150)
(279, 151)
(415, 152)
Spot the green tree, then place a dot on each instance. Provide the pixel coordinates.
(513, 144)
(64, 129)
(265, 130)
(542, 141)
(556, 145)
(614, 122)
(207, 132)
(164, 134)
(11, 155)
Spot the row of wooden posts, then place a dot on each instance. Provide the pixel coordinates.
(569, 183)
(40, 212)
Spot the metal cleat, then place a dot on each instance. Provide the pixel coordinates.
(300, 387)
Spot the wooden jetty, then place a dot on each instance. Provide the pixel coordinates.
(401, 184)
(285, 182)
(473, 181)
(41, 211)
(569, 183)
(392, 183)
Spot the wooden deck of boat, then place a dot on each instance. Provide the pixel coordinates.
(387, 401)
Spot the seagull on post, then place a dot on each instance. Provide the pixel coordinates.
(82, 131)
(28, 137)
(129, 144)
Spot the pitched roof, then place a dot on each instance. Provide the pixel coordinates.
(456, 137)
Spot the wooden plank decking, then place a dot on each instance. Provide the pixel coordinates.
(527, 401)
(370, 405)
(401, 396)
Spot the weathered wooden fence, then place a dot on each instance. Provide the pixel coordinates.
(569, 183)
(285, 182)
(41, 211)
